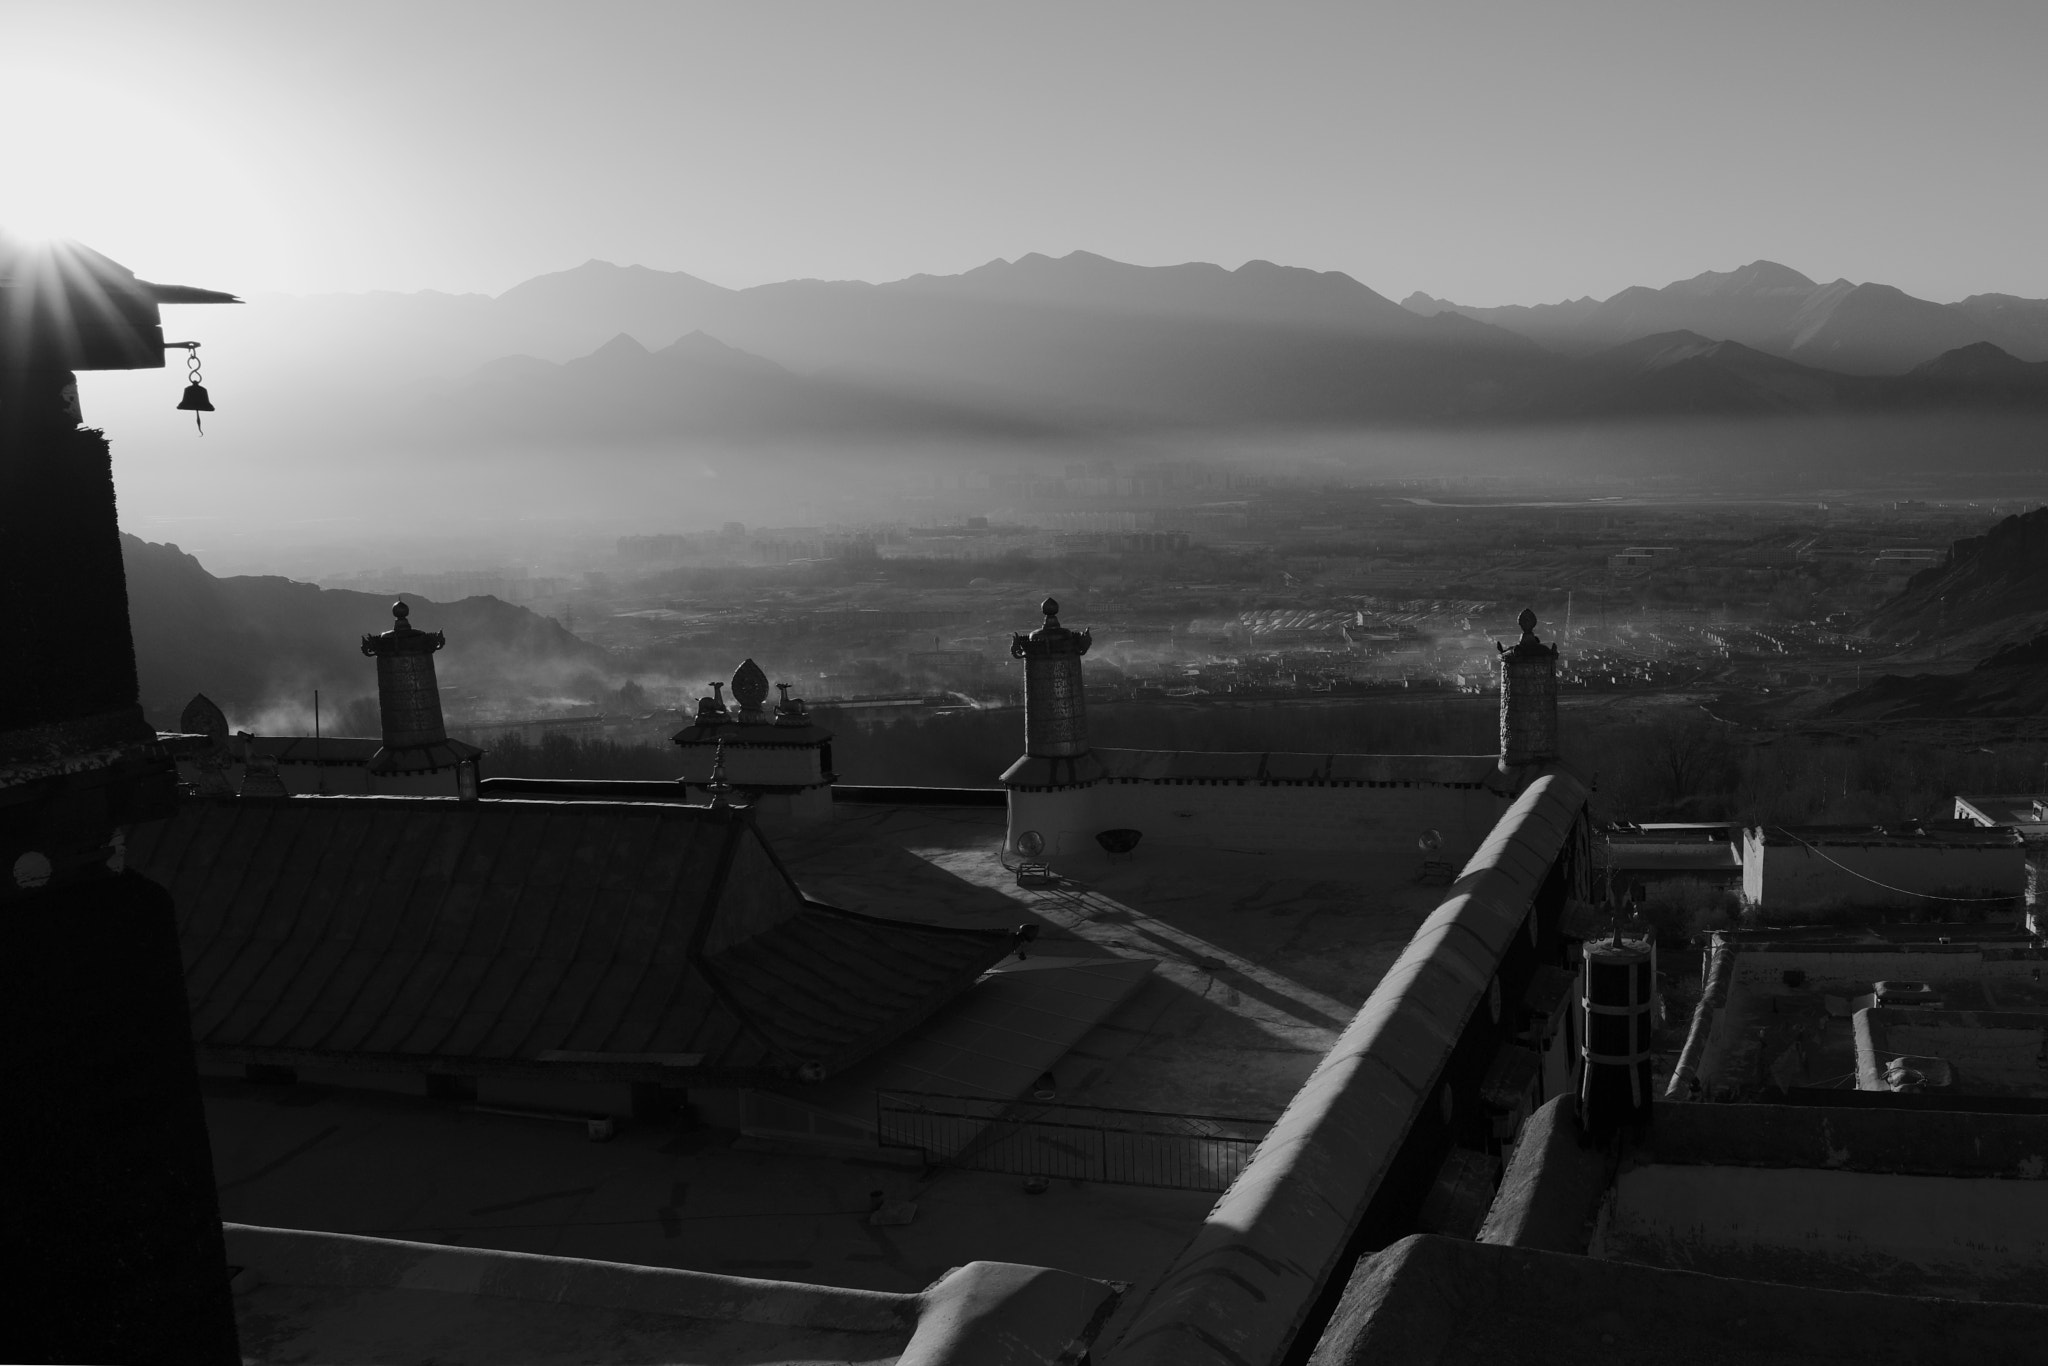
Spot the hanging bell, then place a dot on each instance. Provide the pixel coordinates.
(195, 400)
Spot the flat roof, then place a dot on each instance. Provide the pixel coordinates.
(311, 1296)
(1259, 963)
(1930, 835)
(1434, 1301)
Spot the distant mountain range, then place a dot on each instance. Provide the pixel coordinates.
(1038, 346)
(697, 387)
(1858, 329)
(253, 643)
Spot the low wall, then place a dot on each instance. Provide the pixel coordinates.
(1441, 1299)
(919, 796)
(1261, 817)
(1552, 1188)
(1761, 966)
(1916, 1142)
(1344, 1170)
(1905, 1232)
(1785, 875)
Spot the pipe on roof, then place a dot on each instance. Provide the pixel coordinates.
(1713, 995)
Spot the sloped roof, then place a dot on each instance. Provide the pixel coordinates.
(486, 936)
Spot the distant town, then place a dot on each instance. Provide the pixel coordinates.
(1204, 585)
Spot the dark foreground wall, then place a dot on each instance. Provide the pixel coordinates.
(1427, 1301)
(112, 1233)
(1919, 1142)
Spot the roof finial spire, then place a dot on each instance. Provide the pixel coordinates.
(718, 787)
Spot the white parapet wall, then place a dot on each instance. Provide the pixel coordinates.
(1368, 804)
(1798, 868)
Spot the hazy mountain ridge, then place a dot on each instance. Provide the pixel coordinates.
(701, 387)
(1040, 347)
(254, 642)
(1866, 329)
(696, 387)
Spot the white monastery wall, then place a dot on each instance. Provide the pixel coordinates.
(1779, 875)
(1258, 816)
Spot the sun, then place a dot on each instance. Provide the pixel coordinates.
(153, 191)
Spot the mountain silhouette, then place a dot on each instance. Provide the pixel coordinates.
(696, 387)
(1684, 372)
(1992, 589)
(1860, 329)
(1981, 371)
(2018, 325)
(1044, 345)
(254, 641)
(2012, 681)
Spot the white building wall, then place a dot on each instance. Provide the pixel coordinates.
(777, 765)
(1781, 875)
(338, 780)
(1260, 817)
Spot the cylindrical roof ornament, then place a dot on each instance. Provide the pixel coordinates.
(1055, 709)
(1528, 699)
(1617, 984)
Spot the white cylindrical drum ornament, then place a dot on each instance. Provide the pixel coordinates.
(1617, 986)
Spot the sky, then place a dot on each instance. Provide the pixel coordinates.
(1506, 151)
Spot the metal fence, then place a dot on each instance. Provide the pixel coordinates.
(1080, 1142)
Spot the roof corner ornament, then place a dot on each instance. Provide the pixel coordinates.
(790, 711)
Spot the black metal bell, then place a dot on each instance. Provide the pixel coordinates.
(195, 400)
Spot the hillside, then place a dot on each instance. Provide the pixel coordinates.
(1685, 372)
(261, 643)
(2012, 682)
(1992, 590)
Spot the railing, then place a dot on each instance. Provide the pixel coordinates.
(1078, 1142)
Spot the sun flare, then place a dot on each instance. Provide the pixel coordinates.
(151, 189)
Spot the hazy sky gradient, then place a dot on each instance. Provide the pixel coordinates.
(1502, 152)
